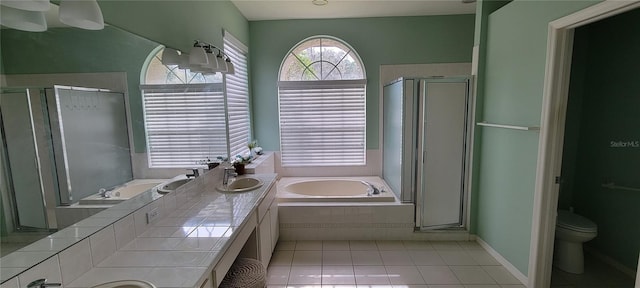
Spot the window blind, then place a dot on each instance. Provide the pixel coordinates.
(322, 123)
(184, 124)
(237, 89)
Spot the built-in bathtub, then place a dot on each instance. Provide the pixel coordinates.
(94, 204)
(339, 208)
(122, 193)
(334, 189)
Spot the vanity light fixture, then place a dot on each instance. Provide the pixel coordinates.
(320, 2)
(32, 21)
(171, 56)
(184, 61)
(203, 58)
(221, 63)
(85, 14)
(230, 68)
(198, 56)
(28, 15)
(28, 5)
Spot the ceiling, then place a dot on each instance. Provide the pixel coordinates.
(255, 10)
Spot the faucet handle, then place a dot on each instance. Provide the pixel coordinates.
(196, 172)
(41, 283)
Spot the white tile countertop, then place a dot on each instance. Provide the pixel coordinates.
(181, 247)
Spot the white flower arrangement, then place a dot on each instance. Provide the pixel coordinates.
(241, 159)
(252, 144)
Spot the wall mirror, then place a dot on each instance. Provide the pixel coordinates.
(33, 170)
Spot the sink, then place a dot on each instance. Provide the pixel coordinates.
(126, 284)
(241, 185)
(169, 187)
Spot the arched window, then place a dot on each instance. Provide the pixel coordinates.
(322, 102)
(184, 115)
(159, 74)
(190, 117)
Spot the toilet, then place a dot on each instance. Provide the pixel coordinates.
(571, 231)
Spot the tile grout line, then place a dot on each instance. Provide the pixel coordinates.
(404, 248)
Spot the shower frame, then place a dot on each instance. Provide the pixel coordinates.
(41, 137)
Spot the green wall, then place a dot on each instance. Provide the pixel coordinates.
(173, 23)
(71, 50)
(605, 100)
(513, 87)
(177, 23)
(378, 41)
(483, 10)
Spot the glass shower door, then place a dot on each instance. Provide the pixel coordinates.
(91, 137)
(443, 143)
(22, 175)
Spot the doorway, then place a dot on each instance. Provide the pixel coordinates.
(552, 141)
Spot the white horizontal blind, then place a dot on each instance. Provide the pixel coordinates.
(237, 89)
(322, 123)
(184, 124)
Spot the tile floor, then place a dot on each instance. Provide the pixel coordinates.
(596, 274)
(385, 264)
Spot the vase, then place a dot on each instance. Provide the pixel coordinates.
(239, 168)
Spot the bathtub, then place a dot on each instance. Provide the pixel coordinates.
(333, 189)
(127, 191)
(339, 208)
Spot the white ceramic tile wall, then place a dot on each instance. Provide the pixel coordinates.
(49, 269)
(125, 231)
(265, 164)
(103, 244)
(140, 216)
(13, 283)
(75, 261)
(341, 222)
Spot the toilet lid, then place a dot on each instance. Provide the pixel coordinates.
(575, 222)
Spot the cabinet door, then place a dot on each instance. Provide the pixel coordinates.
(264, 239)
(275, 224)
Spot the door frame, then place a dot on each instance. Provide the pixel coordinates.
(554, 106)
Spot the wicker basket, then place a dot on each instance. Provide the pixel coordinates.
(245, 273)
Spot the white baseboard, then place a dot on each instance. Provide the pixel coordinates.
(521, 277)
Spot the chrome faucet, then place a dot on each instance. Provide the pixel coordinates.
(103, 193)
(228, 172)
(372, 189)
(195, 174)
(106, 192)
(42, 283)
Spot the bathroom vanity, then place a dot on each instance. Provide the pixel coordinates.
(187, 238)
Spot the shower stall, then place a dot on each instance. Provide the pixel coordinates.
(426, 127)
(58, 145)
